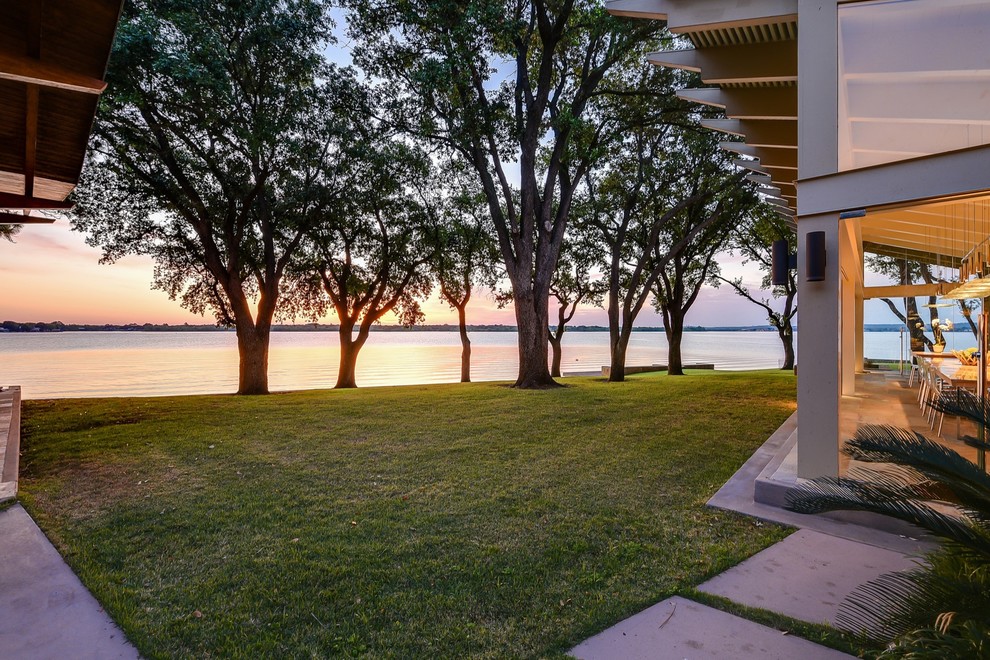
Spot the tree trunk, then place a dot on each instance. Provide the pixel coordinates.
(617, 364)
(674, 329)
(252, 337)
(534, 335)
(555, 364)
(465, 345)
(349, 349)
(786, 334)
(252, 348)
(618, 339)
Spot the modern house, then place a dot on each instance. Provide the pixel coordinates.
(868, 123)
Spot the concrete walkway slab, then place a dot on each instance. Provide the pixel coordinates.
(45, 611)
(679, 629)
(806, 576)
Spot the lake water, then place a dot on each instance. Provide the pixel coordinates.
(94, 364)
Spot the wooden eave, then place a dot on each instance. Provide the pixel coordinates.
(53, 59)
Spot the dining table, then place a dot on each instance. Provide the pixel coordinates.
(956, 374)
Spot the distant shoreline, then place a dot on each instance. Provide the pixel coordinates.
(58, 326)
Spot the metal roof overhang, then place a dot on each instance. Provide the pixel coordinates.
(53, 58)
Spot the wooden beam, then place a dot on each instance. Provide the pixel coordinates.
(922, 256)
(903, 290)
(11, 201)
(757, 103)
(911, 241)
(21, 68)
(782, 174)
(31, 140)
(761, 103)
(781, 134)
(33, 35)
(16, 219)
(750, 63)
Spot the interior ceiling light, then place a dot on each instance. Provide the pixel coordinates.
(975, 288)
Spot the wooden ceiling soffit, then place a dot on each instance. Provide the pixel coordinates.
(781, 174)
(780, 134)
(750, 63)
(21, 68)
(749, 103)
(692, 15)
(11, 201)
(909, 240)
(16, 219)
(788, 188)
(922, 256)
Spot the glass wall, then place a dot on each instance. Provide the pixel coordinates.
(914, 79)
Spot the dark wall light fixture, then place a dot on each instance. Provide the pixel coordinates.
(781, 262)
(814, 255)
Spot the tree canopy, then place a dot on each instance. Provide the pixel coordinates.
(445, 61)
(207, 152)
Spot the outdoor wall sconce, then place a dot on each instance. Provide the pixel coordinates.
(781, 262)
(815, 256)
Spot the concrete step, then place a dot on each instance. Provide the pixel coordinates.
(806, 576)
(678, 628)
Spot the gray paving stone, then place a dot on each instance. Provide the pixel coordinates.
(45, 611)
(679, 629)
(806, 576)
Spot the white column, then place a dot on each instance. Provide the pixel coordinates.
(856, 235)
(818, 371)
(848, 276)
(860, 329)
(818, 325)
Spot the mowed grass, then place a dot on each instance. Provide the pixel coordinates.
(432, 521)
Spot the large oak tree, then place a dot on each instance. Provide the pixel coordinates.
(509, 87)
(721, 200)
(207, 154)
(368, 254)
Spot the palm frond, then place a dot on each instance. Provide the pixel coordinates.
(938, 595)
(830, 494)
(963, 403)
(970, 640)
(888, 444)
(943, 605)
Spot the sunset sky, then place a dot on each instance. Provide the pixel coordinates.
(50, 274)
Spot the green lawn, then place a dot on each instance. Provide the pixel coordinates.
(431, 521)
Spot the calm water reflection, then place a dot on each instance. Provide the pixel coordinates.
(93, 364)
